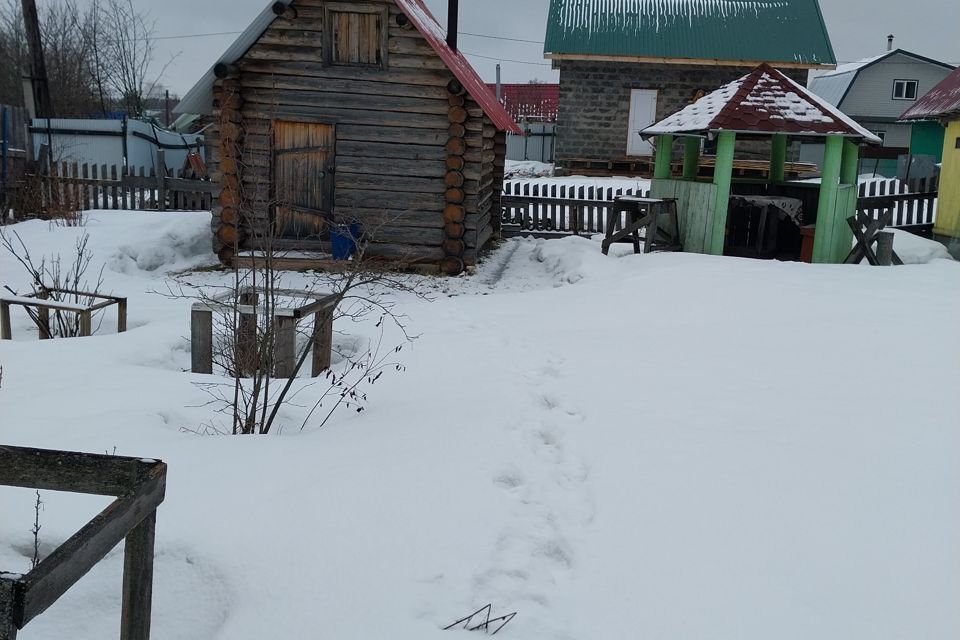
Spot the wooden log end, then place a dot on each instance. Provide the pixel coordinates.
(454, 230)
(457, 115)
(455, 195)
(453, 247)
(457, 131)
(456, 146)
(229, 235)
(457, 101)
(455, 88)
(455, 163)
(453, 179)
(452, 266)
(454, 213)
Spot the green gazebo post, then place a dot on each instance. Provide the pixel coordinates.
(838, 195)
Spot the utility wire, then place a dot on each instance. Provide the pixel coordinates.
(536, 64)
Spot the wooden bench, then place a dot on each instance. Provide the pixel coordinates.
(657, 216)
(41, 302)
(247, 306)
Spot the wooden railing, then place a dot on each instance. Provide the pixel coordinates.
(137, 484)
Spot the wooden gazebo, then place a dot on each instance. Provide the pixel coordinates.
(764, 105)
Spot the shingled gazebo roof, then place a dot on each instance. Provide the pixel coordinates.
(762, 103)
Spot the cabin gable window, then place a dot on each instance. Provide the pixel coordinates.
(356, 34)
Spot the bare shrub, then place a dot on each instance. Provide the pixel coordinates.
(57, 279)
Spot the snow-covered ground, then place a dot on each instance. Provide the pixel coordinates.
(663, 446)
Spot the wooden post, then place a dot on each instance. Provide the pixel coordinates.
(8, 629)
(85, 323)
(43, 317)
(664, 157)
(885, 248)
(691, 157)
(828, 220)
(722, 177)
(43, 105)
(284, 346)
(322, 341)
(201, 341)
(246, 341)
(161, 180)
(6, 332)
(778, 158)
(121, 315)
(138, 580)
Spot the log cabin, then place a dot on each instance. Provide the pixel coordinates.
(356, 112)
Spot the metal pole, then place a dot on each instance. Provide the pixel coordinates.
(6, 146)
(499, 90)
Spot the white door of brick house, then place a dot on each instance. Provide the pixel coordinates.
(643, 113)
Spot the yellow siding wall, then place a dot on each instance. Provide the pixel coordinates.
(948, 208)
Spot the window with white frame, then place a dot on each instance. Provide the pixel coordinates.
(905, 89)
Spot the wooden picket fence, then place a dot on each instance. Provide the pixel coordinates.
(548, 210)
(554, 209)
(913, 203)
(81, 187)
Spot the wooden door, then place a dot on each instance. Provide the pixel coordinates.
(643, 113)
(303, 164)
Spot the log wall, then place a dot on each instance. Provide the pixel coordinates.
(417, 161)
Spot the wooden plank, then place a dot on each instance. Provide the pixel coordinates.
(74, 558)
(94, 474)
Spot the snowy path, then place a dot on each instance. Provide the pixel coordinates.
(663, 446)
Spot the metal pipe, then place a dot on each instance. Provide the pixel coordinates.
(453, 18)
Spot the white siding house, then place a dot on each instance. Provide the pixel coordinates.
(875, 92)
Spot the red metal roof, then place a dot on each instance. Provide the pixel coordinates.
(763, 102)
(428, 26)
(942, 100)
(535, 102)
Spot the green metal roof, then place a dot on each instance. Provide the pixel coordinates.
(787, 31)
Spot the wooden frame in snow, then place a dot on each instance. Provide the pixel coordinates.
(44, 306)
(247, 305)
(138, 484)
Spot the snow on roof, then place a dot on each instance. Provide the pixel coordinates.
(942, 100)
(743, 30)
(200, 98)
(765, 101)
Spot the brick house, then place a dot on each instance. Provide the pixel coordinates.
(625, 65)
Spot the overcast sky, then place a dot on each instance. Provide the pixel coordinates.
(858, 29)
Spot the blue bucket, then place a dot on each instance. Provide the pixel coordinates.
(343, 238)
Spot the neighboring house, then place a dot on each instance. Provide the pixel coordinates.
(534, 106)
(530, 102)
(874, 92)
(941, 107)
(627, 64)
(332, 113)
